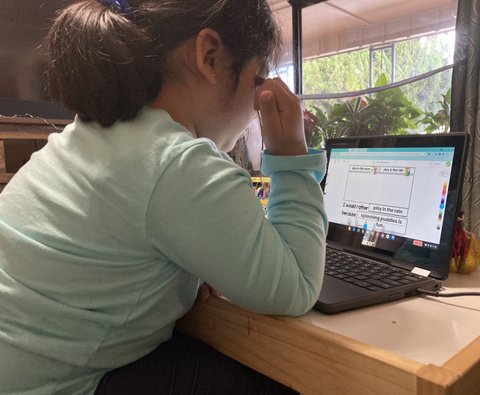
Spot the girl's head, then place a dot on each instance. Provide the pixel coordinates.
(107, 62)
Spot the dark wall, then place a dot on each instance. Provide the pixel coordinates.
(23, 86)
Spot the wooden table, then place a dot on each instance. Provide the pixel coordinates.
(420, 345)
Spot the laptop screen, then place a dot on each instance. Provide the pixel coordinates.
(395, 197)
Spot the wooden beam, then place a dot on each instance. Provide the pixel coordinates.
(3, 166)
(34, 121)
(5, 177)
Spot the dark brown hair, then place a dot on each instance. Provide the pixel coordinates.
(105, 65)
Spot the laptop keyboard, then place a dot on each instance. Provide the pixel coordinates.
(366, 274)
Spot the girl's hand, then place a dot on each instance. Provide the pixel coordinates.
(281, 117)
(205, 291)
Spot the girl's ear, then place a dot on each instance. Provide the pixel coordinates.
(209, 54)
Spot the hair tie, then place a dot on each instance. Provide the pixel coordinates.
(122, 6)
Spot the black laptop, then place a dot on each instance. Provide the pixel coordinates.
(392, 203)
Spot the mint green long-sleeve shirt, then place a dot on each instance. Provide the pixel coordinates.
(105, 235)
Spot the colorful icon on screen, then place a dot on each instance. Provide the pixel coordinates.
(442, 205)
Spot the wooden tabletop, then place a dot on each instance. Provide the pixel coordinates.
(310, 355)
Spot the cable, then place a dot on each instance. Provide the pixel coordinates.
(446, 295)
(377, 88)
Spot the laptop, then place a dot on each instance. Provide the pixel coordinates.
(392, 203)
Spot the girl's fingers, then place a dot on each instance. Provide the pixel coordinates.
(281, 117)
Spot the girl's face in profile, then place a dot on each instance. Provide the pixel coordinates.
(235, 107)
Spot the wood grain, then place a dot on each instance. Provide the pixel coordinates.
(307, 358)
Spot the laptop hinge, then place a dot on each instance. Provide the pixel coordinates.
(420, 271)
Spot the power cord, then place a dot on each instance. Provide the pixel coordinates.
(446, 295)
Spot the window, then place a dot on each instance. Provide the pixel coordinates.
(350, 47)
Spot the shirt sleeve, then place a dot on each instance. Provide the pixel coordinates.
(204, 217)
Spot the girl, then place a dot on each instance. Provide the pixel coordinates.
(108, 231)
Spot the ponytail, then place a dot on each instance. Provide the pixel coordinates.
(100, 66)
